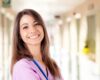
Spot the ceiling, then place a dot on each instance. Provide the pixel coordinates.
(47, 8)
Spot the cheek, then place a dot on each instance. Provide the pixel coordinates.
(42, 33)
(22, 34)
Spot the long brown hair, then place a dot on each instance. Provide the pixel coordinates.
(20, 50)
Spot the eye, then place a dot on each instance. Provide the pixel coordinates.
(37, 24)
(25, 27)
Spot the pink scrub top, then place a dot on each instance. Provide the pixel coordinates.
(25, 69)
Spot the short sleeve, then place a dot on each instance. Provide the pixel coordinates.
(23, 71)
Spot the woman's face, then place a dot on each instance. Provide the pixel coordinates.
(31, 31)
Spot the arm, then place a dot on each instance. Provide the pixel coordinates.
(23, 71)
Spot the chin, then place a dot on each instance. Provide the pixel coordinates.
(35, 43)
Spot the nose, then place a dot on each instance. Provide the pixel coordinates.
(33, 29)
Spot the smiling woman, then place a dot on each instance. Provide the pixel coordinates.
(30, 30)
(31, 49)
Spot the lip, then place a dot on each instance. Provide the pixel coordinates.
(34, 36)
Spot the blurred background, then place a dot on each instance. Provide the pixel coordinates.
(74, 31)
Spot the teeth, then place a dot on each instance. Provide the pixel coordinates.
(33, 37)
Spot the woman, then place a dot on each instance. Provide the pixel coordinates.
(30, 58)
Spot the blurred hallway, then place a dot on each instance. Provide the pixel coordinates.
(74, 31)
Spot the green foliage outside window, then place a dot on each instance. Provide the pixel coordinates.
(6, 3)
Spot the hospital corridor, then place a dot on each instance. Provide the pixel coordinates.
(73, 27)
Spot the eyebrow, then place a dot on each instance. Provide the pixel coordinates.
(27, 23)
(24, 24)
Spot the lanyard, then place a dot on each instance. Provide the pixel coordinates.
(40, 69)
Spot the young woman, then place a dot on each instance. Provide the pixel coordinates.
(30, 58)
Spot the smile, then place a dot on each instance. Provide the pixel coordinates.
(34, 37)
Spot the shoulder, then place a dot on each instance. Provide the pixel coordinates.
(24, 67)
(21, 65)
(22, 62)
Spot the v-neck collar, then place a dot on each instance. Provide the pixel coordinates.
(45, 70)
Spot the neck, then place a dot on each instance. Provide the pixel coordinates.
(36, 52)
(38, 58)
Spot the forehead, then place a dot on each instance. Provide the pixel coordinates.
(27, 17)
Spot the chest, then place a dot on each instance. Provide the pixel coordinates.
(39, 73)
